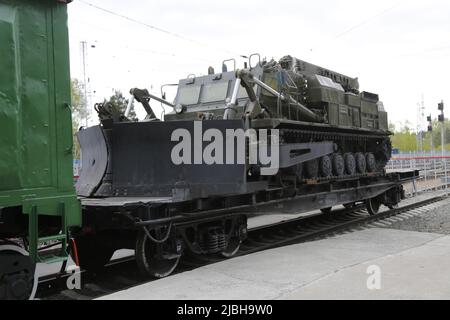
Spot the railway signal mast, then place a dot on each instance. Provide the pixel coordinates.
(441, 119)
(430, 130)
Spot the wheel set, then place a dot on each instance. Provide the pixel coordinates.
(372, 206)
(154, 259)
(158, 250)
(18, 279)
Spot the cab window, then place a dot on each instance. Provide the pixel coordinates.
(215, 91)
(188, 95)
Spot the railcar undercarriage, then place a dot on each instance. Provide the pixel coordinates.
(161, 230)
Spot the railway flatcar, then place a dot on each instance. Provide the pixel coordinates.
(275, 135)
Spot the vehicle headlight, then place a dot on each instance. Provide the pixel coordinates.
(179, 108)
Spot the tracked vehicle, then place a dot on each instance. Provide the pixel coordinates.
(188, 183)
(325, 127)
(308, 104)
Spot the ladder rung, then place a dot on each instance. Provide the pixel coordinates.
(52, 259)
(52, 238)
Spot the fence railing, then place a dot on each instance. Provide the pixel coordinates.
(434, 170)
(431, 166)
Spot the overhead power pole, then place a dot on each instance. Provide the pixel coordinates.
(420, 123)
(84, 62)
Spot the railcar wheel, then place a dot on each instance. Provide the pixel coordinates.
(156, 260)
(338, 165)
(92, 254)
(232, 248)
(239, 234)
(361, 166)
(18, 280)
(326, 167)
(350, 164)
(371, 162)
(312, 169)
(326, 210)
(373, 206)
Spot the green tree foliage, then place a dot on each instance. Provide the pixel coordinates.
(119, 101)
(79, 113)
(405, 137)
(437, 133)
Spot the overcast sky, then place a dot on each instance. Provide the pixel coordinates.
(398, 49)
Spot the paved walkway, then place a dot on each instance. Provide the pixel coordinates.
(411, 265)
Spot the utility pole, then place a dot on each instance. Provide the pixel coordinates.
(420, 123)
(84, 62)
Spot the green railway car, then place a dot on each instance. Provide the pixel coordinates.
(38, 204)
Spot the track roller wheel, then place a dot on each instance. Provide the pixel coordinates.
(326, 167)
(373, 206)
(338, 165)
(350, 164)
(93, 253)
(326, 210)
(371, 162)
(18, 280)
(156, 260)
(361, 166)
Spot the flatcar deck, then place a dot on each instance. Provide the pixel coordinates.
(313, 194)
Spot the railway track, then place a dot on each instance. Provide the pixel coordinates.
(121, 274)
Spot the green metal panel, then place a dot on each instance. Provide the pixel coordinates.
(352, 100)
(333, 114)
(344, 115)
(383, 120)
(356, 118)
(35, 115)
(326, 94)
(369, 107)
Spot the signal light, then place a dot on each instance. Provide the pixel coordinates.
(429, 119)
(441, 106)
(430, 128)
(441, 118)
